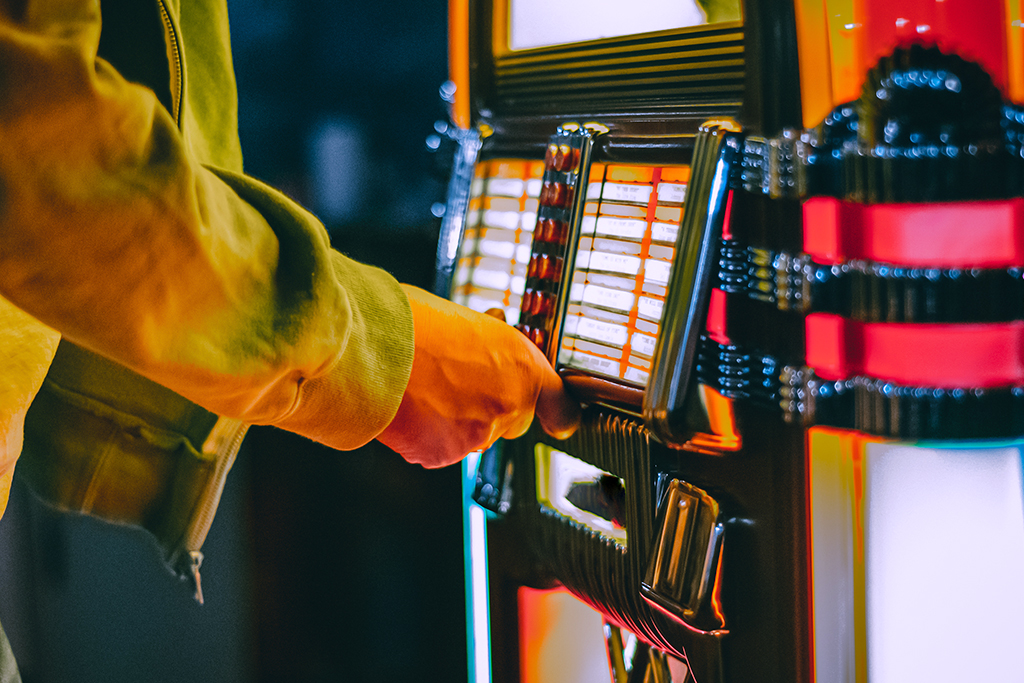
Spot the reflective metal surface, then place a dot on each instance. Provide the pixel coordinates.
(718, 146)
(682, 575)
(454, 223)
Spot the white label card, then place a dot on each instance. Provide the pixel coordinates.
(629, 228)
(606, 333)
(491, 279)
(643, 344)
(633, 194)
(502, 219)
(505, 187)
(650, 308)
(657, 271)
(603, 297)
(672, 193)
(614, 263)
(664, 232)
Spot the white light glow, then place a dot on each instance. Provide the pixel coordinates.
(536, 23)
(481, 625)
(945, 555)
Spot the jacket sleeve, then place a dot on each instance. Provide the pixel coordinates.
(200, 279)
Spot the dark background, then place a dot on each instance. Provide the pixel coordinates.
(320, 566)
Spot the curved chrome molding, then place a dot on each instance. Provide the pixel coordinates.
(454, 223)
(717, 149)
(682, 579)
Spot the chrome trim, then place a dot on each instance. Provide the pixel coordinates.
(617, 663)
(453, 226)
(681, 575)
(717, 150)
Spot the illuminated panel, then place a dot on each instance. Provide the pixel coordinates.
(617, 296)
(573, 21)
(491, 269)
(580, 492)
(917, 552)
(560, 639)
(944, 553)
(815, 63)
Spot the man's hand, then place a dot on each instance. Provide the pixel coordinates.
(474, 379)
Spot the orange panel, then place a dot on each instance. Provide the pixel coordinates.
(458, 59)
(815, 61)
(675, 174)
(629, 174)
(561, 640)
(1015, 50)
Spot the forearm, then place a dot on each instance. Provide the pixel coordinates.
(204, 281)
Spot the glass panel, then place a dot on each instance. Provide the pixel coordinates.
(491, 268)
(917, 554)
(627, 243)
(944, 555)
(542, 23)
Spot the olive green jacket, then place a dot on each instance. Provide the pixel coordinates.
(128, 228)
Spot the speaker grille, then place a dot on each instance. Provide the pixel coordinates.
(701, 65)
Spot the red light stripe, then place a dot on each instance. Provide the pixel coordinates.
(926, 355)
(988, 234)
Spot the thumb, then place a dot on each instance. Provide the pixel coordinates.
(557, 411)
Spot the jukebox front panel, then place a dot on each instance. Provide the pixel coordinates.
(804, 391)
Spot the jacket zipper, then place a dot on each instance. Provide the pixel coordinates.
(177, 65)
(222, 445)
(225, 438)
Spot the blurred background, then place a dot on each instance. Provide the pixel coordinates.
(320, 566)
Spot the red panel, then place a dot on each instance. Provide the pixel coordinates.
(942, 356)
(974, 29)
(716, 317)
(987, 234)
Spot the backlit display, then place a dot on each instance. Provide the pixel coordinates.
(491, 269)
(626, 247)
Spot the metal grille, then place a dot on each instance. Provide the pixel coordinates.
(696, 66)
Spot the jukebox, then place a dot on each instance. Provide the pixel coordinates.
(776, 248)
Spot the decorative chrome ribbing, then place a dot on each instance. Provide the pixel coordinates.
(928, 127)
(872, 292)
(737, 372)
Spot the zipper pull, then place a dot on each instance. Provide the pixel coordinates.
(195, 561)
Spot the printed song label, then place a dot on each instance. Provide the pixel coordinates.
(505, 187)
(671, 193)
(642, 344)
(628, 228)
(650, 308)
(614, 299)
(657, 271)
(615, 263)
(664, 232)
(633, 194)
(601, 366)
(606, 333)
(491, 279)
(637, 376)
(497, 249)
(501, 219)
